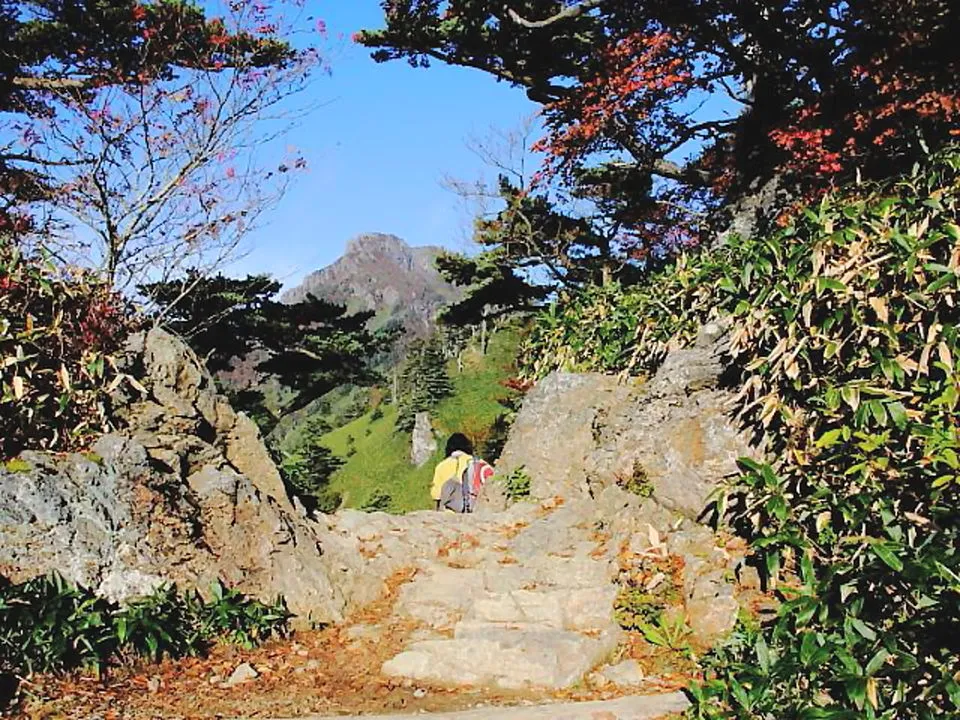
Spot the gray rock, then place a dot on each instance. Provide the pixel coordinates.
(626, 673)
(184, 493)
(424, 442)
(554, 431)
(677, 434)
(244, 672)
(712, 608)
(508, 658)
(637, 707)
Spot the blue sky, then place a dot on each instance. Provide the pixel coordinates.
(377, 149)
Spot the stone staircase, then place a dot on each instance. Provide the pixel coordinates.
(528, 606)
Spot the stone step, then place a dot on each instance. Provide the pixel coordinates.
(588, 608)
(636, 707)
(504, 657)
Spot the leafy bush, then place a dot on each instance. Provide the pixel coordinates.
(845, 327)
(379, 501)
(47, 624)
(232, 616)
(637, 481)
(164, 623)
(843, 330)
(617, 329)
(58, 333)
(516, 484)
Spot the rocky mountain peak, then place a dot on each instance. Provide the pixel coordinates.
(379, 245)
(382, 273)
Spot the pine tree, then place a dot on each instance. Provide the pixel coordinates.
(311, 346)
(423, 381)
(308, 469)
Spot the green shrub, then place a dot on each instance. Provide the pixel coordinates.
(59, 331)
(637, 482)
(232, 616)
(844, 335)
(47, 624)
(845, 330)
(617, 329)
(379, 501)
(162, 624)
(517, 484)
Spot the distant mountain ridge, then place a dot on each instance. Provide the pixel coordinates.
(382, 273)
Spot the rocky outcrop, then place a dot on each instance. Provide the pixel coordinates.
(556, 428)
(114, 521)
(423, 443)
(649, 455)
(183, 422)
(676, 435)
(185, 493)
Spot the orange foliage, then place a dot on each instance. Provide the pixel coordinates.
(637, 78)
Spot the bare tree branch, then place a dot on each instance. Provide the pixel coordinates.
(566, 14)
(52, 84)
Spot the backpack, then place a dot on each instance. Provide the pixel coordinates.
(459, 494)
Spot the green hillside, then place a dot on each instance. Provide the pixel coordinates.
(377, 457)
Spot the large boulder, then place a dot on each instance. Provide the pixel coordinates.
(114, 520)
(179, 415)
(677, 436)
(555, 431)
(674, 436)
(183, 492)
(648, 455)
(423, 443)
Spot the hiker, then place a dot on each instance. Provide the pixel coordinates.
(458, 478)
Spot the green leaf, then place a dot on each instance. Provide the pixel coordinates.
(856, 691)
(876, 662)
(808, 646)
(829, 438)
(851, 396)
(861, 627)
(825, 283)
(898, 413)
(763, 654)
(885, 553)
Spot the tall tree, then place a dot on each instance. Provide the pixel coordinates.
(310, 347)
(138, 124)
(493, 288)
(308, 468)
(826, 89)
(423, 381)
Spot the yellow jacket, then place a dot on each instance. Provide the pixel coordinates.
(451, 467)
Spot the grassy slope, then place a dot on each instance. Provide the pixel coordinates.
(382, 457)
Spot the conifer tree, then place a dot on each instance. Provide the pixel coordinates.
(423, 381)
(311, 347)
(308, 469)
